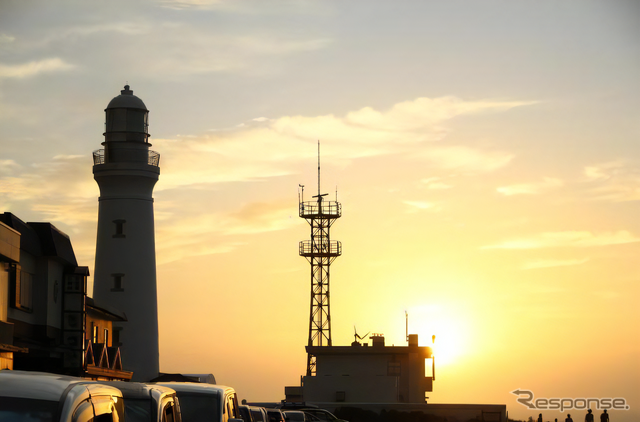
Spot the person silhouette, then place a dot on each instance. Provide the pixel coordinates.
(568, 418)
(540, 417)
(604, 417)
(588, 417)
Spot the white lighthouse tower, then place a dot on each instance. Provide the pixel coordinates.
(126, 171)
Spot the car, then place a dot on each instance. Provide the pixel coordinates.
(245, 413)
(321, 414)
(259, 414)
(201, 402)
(148, 402)
(298, 415)
(275, 415)
(27, 396)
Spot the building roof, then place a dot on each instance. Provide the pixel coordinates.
(41, 239)
(367, 350)
(104, 312)
(126, 99)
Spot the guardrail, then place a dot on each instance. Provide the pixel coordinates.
(329, 209)
(322, 248)
(153, 158)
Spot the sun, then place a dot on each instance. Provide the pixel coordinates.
(451, 341)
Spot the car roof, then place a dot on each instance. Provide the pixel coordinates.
(46, 386)
(138, 390)
(194, 387)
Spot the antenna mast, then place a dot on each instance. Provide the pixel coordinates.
(320, 251)
(318, 168)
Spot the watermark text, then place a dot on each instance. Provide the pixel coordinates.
(527, 399)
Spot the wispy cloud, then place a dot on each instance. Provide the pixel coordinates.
(34, 68)
(8, 167)
(435, 183)
(545, 185)
(6, 39)
(549, 263)
(416, 206)
(466, 159)
(576, 239)
(614, 181)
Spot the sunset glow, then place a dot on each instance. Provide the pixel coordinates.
(486, 155)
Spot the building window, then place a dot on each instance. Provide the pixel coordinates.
(119, 228)
(117, 282)
(106, 337)
(393, 369)
(115, 339)
(21, 283)
(94, 333)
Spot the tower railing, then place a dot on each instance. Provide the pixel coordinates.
(99, 158)
(311, 248)
(328, 209)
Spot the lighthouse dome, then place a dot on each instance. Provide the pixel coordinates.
(127, 118)
(126, 99)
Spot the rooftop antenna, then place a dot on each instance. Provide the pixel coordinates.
(406, 317)
(318, 169)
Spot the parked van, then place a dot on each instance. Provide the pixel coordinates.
(206, 402)
(148, 402)
(41, 397)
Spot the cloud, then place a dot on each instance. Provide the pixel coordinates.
(614, 181)
(205, 233)
(435, 183)
(51, 186)
(9, 167)
(530, 188)
(6, 39)
(466, 159)
(575, 239)
(278, 145)
(34, 68)
(548, 263)
(416, 206)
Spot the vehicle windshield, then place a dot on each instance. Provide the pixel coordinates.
(322, 415)
(199, 407)
(13, 409)
(137, 410)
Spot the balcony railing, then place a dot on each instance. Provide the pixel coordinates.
(98, 157)
(329, 209)
(153, 158)
(322, 248)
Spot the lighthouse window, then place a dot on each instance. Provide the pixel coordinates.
(119, 228)
(117, 282)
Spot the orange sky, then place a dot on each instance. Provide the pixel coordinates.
(486, 157)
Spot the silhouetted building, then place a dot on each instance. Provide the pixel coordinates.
(44, 294)
(366, 374)
(126, 171)
(9, 258)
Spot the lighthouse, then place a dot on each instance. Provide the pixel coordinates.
(126, 171)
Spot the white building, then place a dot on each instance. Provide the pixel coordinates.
(126, 171)
(367, 374)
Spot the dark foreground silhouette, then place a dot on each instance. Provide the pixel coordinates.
(353, 414)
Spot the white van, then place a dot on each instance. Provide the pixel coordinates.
(27, 396)
(147, 402)
(206, 402)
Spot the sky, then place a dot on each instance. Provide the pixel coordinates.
(486, 155)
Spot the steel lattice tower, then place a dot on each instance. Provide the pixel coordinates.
(320, 251)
